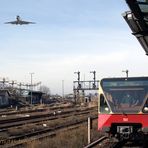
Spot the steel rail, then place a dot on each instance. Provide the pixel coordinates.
(94, 143)
(4, 127)
(17, 119)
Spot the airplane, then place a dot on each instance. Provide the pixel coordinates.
(19, 21)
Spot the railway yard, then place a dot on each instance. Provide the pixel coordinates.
(53, 126)
(18, 128)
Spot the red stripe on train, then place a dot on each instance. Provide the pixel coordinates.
(105, 120)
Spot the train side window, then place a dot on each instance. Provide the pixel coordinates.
(103, 105)
(145, 109)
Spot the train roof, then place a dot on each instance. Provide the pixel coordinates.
(125, 78)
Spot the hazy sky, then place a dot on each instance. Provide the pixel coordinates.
(69, 35)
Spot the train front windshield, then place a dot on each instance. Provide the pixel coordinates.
(126, 95)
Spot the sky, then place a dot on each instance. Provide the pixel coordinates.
(69, 36)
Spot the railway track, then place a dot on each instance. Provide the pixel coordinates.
(47, 132)
(10, 111)
(14, 112)
(7, 126)
(23, 116)
(13, 122)
(97, 142)
(20, 115)
(105, 141)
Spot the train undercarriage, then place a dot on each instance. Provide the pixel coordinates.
(130, 132)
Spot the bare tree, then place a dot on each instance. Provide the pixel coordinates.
(45, 89)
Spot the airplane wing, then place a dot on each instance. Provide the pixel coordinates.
(13, 22)
(19, 22)
(25, 22)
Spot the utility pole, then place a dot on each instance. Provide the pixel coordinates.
(63, 89)
(4, 81)
(20, 84)
(89, 127)
(12, 83)
(126, 71)
(31, 89)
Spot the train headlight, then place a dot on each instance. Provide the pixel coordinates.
(106, 109)
(145, 109)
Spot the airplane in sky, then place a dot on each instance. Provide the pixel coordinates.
(19, 21)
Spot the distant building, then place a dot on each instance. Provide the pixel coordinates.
(36, 97)
(4, 97)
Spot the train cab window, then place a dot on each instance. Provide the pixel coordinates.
(126, 95)
(103, 105)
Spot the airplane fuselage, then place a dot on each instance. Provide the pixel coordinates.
(19, 21)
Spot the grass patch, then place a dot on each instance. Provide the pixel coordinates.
(75, 138)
